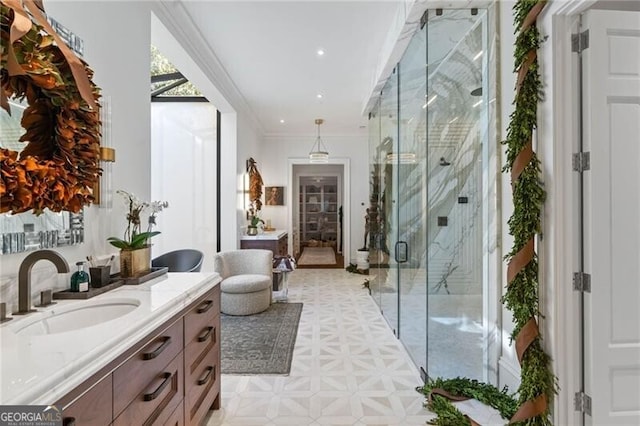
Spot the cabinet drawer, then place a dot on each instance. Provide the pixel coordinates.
(196, 352)
(202, 316)
(134, 376)
(92, 408)
(159, 398)
(202, 389)
(177, 417)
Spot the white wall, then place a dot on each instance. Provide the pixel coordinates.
(120, 61)
(273, 162)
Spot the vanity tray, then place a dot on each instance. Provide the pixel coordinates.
(154, 272)
(68, 294)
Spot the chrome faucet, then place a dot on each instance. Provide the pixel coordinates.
(24, 276)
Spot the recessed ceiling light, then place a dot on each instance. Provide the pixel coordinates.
(320, 52)
(281, 121)
(319, 96)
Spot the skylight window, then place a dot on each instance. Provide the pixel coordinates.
(167, 81)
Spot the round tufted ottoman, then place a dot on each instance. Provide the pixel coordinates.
(245, 294)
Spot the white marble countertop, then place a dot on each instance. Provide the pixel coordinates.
(268, 235)
(41, 369)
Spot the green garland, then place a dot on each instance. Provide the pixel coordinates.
(449, 415)
(522, 296)
(538, 383)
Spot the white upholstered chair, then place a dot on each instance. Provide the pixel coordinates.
(246, 280)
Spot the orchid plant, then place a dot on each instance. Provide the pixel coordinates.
(254, 219)
(133, 237)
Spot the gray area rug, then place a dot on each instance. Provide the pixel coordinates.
(261, 343)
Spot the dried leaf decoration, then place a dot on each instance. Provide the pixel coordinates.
(59, 165)
(255, 185)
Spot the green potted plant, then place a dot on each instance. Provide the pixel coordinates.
(252, 228)
(135, 251)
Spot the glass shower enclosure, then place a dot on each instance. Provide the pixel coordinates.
(428, 214)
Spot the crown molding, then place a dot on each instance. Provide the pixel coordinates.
(179, 22)
(310, 137)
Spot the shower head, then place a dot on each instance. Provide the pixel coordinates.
(444, 162)
(477, 91)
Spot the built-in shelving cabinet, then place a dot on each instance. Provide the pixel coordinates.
(319, 205)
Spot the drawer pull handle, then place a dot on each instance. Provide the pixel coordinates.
(69, 421)
(205, 306)
(157, 392)
(203, 337)
(151, 355)
(207, 375)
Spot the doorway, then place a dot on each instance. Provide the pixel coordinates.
(610, 207)
(317, 215)
(595, 210)
(319, 210)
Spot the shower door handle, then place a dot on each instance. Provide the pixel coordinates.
(402, 252)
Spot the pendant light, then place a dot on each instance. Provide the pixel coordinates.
(318, 153)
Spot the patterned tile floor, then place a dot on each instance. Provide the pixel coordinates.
(348, 368)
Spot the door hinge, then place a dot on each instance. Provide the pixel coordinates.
(582, 402)
(581, 161)
(580, 41)
(582, 282)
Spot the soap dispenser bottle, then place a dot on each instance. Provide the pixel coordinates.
(80, 279)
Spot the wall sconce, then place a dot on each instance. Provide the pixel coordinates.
(102, 192)
(107, 154)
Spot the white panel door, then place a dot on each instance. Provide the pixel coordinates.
(611, 89)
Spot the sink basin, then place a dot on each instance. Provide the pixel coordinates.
(77, 316)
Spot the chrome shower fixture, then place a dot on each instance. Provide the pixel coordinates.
(444, 162)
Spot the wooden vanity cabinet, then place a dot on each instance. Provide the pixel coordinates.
(171, 377)
(177, 417)
(149, 369)
(157, 399)
(202, 359)
(149, 385)
(92, 408)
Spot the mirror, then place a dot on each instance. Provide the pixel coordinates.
(26, 231)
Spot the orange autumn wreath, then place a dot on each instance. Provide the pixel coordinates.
(59, 166)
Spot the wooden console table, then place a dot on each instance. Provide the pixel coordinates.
(276, 241)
